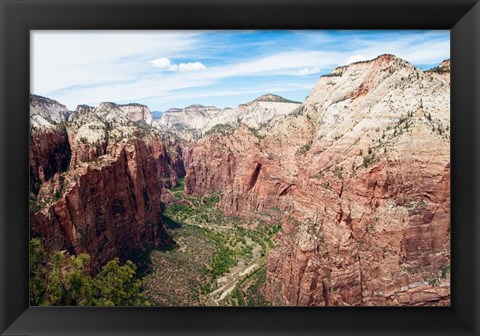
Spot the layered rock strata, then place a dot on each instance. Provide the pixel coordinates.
(196, 120)
(97, 182)
(361, 175)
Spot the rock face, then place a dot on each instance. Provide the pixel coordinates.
(105, 210)
(189, 121)
(442, 69)
(49, 153)
(49, 148)
(195, 120)
(133, 111)
(361, 175)
(137, 112)
(264, 109)
(97, 182)
(44, 112)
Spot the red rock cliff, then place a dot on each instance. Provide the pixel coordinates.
(361, 174)
(107, 199)
(49, 153)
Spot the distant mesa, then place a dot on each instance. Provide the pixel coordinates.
(134, 111)
(45, 111)
(195, 106)
(37, 100)
(84, 108)
(134, 104)
(270, 97)
(173, 110)
(196, 119)
(109, 106)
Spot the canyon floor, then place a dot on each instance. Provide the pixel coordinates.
(218, 260)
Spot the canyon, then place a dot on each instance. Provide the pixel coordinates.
(97, 181)
(356, 177)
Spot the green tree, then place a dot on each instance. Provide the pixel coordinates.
(117, 285)
(37, 272)
(69, 283)
(62, 280)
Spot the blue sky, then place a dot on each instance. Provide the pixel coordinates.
(165, 69)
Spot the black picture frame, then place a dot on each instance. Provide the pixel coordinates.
(18, 17)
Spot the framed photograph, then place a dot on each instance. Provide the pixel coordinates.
(208, 167)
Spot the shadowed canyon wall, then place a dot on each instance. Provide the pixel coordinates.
(97, 181)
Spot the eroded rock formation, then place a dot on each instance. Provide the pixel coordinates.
(49, 153)
(358, 175)
(45, 112)
(97, 181)
(361, 174)
(195, 120)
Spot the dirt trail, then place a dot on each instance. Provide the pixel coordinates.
(234, 277)
(212, 226)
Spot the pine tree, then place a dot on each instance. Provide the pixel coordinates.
(62, 280)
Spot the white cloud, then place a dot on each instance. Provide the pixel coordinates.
(187, 67)
(165, 64)
(77, 67)
(62, 59)
(162, 63)
(355, 58)
(308, 71)
(284, 63)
